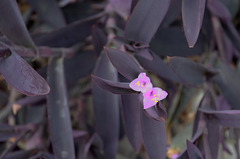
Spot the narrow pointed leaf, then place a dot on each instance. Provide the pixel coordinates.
(190, 72)
(145, 20)
(158, 67)
(184, 153)
(157, 112)
(154, 137)
(123, 63)
(228, 82)
(193, 151)
(49, 12)
(192, 14)
(14, 28)
(228, 118)
(106, 108)
(58, 112)
(20, 75)
(111, 86)
(66, 36)
(218, 9)
(99, 39)
(131, 120)
(213, 137)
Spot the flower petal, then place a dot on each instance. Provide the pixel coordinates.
(134, 85)
(144, 77)
(161, 94)
(147, 87)
(141, 84)
(148, 102)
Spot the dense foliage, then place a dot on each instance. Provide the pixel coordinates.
(124, 79)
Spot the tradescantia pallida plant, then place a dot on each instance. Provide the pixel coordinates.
(119, 79)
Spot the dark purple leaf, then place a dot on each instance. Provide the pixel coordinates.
(154, 137)
(159, 67)
(218, 9)
(49, 12)
(43, 51)
(131, 120)
(133, 4)
(228, 118)
(58, 111)
(111, 86)
(66, 36)
(172, 13)
(99, 39)
(32, 100)
(123, 63)
(145, 20)
(14, 28)
(184, 153)
(157, 112)
(232, 33)
(122, 7)
(145, 53)
(79, 133)
(106, 108)
(21, 76)
(224, 145)
(84, 60)
(166, 38)
(228, 82)
(213, 137)
(192, 15)
(190, 72)
(193, 151)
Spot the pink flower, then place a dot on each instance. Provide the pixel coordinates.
(141, 84)
(152, 96)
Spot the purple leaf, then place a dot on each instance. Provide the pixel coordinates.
(84, 60)
(213, 137)
(122, 7)
(43, 51)
(193, 151)
(114, 87)
(49, 12)
(228, 118)
(154, 137)
(14, 28)
(123, 63)
(32, 100)
(106, 108)
(58, 111)
(218, 9)
(99, 39)
(66, 36)
(159, 67)
(166, 38)
(131, 120)
(172, 13)
(184, 153)
(145, 20)
(192, 15)
(232, 33)
(228, 82)
(20, 75)
(157, 112)
(190, 72)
